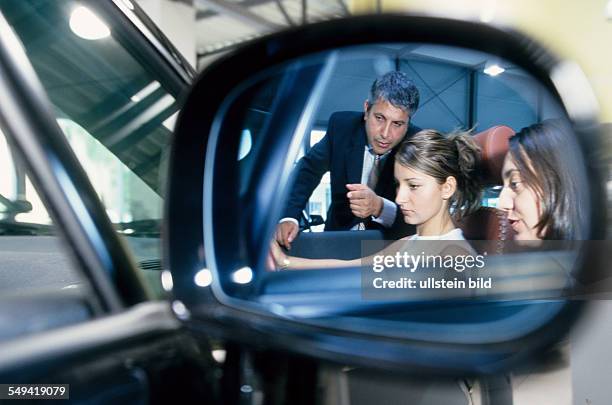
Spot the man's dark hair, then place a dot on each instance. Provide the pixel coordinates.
(396, 88)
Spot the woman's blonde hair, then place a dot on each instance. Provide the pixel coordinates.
(440, 157)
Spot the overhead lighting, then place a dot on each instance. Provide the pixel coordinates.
(243, 276)
(147, 90)
(609, 10)
(494, 70)
(87, 25)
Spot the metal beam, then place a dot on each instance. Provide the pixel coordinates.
(472, 99)
(187, 2)
(202, 14)
(344, 8)
(436, 95)
(284, 12)
(238, 12)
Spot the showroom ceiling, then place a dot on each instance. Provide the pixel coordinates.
(223, 24)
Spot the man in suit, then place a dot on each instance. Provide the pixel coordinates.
(358, 150)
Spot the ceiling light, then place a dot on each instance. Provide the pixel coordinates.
(609, 10)
(147, 90)
(87, 25)
(494, 70)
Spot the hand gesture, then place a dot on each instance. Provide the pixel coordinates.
(286, 233)
(363, 201)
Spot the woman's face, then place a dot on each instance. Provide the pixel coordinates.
(420, 197)
(520, 202)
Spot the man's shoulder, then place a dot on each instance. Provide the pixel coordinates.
(346, 126)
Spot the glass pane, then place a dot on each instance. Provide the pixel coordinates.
(116, 113)
(40, 288)
(449, 242)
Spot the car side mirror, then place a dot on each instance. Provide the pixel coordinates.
(226, 196)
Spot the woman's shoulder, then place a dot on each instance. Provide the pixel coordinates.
(455, 234)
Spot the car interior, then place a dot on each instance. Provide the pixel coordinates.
(332, 296)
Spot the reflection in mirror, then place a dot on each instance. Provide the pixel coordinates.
(445, 178)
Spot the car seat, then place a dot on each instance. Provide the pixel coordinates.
(488, 223)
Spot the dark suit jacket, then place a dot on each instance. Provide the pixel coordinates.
(341, 153)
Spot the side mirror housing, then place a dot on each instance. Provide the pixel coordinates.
(222, 212)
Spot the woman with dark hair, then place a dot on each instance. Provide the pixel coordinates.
(542, 184)
(436, 184)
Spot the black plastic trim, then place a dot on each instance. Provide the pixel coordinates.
(137, 32)
(33, 356)
(199, 120)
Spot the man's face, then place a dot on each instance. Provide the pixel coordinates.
(386, 125)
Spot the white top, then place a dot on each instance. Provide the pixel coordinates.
(454, 234)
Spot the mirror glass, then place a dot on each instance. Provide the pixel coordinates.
(386, 185)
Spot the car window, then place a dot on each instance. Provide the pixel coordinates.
(116, 112)
(40, 288)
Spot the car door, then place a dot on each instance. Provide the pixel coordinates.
(84, 123)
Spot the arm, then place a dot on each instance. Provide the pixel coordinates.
(387, 215)
(286, 262)
(301, 263)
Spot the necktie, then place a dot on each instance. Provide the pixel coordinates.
(372, 181)
(374, 173)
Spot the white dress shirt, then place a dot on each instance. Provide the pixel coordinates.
(389, 209)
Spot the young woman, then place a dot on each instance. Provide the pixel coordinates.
(542, 184)
(436, 184)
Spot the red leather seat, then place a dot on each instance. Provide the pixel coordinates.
(490, 224)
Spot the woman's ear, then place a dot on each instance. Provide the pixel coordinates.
(449, 187)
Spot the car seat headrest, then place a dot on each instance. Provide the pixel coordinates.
(494, 145)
